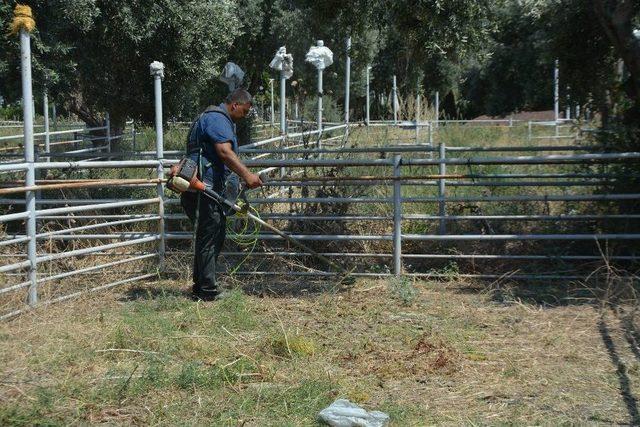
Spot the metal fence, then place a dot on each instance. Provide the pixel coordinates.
(409, 208)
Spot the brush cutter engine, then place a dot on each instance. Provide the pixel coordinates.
(184, 177)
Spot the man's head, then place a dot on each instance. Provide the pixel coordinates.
(238, 104)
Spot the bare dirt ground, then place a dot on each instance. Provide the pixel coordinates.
(425, 352)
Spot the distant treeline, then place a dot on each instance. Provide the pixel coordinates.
(484, 57)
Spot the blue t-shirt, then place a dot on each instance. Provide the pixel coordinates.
(214, 128)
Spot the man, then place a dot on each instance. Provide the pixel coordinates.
(213, 144)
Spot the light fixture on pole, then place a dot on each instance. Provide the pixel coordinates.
(320, 57)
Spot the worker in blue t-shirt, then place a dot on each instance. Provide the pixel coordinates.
(213, 144)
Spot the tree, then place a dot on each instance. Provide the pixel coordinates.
(617, 18)
(94, 54)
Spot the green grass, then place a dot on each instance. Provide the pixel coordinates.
(449, 355)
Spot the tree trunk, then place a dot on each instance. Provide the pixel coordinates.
(94, 120)
(615, 17)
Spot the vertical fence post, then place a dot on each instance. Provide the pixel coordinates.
(47, 139)
(133, 137)
(283, 108)
(272, 115)
(347, 87)
(442, 210)
(157, 71)
(395, 101)
(320, 94)
(29, 157)
(283, 116)
(54, 117)
(397, 216)
(368, 97)
(529, 131)
(108, 131)
(556, 95)
(567, 108)
(437, 108)
(418, 115)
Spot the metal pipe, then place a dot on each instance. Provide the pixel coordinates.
(442, 207)
(29, 157)
(100, 225)
(272, 102)
(80, 271)
(347, 86)
(54, 133)
(543, 198)
(14, 239)
(157, 71)
(397, 217)
(283, 97)
(102, 287)
(47, 138)
(96, 267)
(367, 118)
(596, 237)
(523, 257)
(88, 251)
(76, 217)
(411, 217)
(437, 108)
(320, 95)
(14, 217)
(395, 101)
(76, 294)
(549, 159)
(418, 115)
(108, 131)
(440, 256)
(16, 266)
(556, 95)
(96, 206)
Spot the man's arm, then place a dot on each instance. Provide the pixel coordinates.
(226, 154)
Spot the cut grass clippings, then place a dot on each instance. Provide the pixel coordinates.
(453, 354)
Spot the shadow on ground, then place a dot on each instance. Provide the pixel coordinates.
(539, 294)
(631, 335)
(148, 293)
(291, 287)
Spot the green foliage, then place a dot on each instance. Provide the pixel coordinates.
(11, 112)
(402, 289)
(484, 57)
(95, 55)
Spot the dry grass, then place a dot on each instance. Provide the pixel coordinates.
(457, 353)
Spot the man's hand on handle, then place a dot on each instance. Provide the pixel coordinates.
(253, 181)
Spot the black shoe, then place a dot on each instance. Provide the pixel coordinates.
(205, 295)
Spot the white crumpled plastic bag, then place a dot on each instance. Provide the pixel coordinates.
(343, 413)
(283, 61)
(320, 56)
(232, 75)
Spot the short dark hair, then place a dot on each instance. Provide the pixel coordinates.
(239, 96)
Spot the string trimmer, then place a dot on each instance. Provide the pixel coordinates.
(184, 177)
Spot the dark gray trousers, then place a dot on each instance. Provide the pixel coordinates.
(209, 237)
